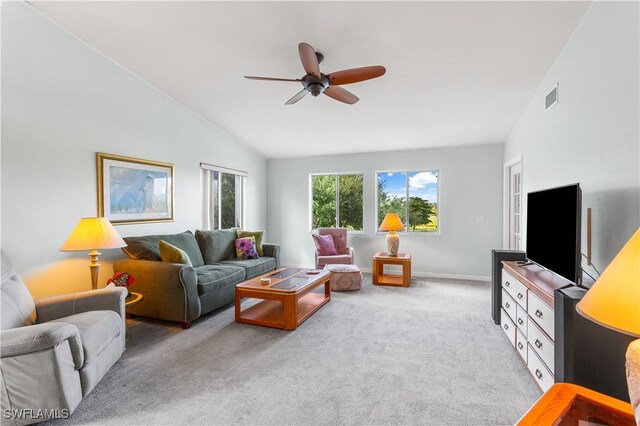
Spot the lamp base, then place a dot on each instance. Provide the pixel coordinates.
(393, 243)
(94, 267)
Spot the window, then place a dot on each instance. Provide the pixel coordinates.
(223, 197)
(413, 195)
(336, 200)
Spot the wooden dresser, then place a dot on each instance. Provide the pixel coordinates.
(527, 316)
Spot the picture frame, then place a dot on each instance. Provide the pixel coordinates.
(133, 190)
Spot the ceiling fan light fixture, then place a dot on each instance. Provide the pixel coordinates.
(316, 83)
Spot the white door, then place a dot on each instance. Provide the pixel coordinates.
(515, 206)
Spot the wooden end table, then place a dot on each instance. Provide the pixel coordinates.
(132, 298)
(379, 278)
(569, 404)
(287, 301)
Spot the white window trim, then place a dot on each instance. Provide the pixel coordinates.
(206, 190)
(310, 203)
(439, 204)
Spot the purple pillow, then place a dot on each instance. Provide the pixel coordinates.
(246, 248)
(325, 245)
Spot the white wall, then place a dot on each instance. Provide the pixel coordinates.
(61, 103)
(470, 207)
(592, 135)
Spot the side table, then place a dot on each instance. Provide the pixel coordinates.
(569, 404)
(379, 278)
(132, 299)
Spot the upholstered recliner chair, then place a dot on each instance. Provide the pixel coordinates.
(54, 350)
(344, 252)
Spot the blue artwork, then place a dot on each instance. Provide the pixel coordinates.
(137, 191)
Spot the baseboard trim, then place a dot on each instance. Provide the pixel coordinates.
(413, 273)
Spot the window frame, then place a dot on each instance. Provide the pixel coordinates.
(438, 201)
(205, 170)
(337, 218)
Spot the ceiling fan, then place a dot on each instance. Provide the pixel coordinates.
(315, 82)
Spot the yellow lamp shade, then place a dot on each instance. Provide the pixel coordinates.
(93, 233)
(614, 299)
(391, 222)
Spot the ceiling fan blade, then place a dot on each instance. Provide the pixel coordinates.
(297, 97)
(250, 77)
(309, 59)
(340, 94)
(355, 75)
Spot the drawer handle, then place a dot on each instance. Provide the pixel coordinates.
(538, 344)
(538, 313)
(520, 321)
(507, 305)
(520, 295)
(520, 345)
(538, 374)
(507, 283)
(506, 327)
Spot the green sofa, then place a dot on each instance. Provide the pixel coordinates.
(178, 292)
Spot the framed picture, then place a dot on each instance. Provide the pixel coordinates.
(132, 190)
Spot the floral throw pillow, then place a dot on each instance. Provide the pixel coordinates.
(246, 248)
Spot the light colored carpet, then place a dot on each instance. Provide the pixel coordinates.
(428, 354)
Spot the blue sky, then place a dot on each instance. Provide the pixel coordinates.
(421, 184)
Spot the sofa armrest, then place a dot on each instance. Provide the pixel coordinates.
(272, 250)
(39, 337)
(169, 290)
(55, 307)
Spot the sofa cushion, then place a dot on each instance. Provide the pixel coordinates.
(172, 254)
(216, 277)
(258, 235)
(253, 267)
(217, 245)
(17, 307)
(146, 247)
(327, 260)
(97, 330)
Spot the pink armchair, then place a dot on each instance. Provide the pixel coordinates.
(345, 253)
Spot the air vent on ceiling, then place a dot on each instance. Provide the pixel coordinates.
(551, 98)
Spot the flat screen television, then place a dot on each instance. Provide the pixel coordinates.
(553, 230)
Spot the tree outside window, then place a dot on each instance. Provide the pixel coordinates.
(223, 198)
(336, 200)
(413, 196)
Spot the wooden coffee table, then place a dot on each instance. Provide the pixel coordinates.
(380, 278)
(287, 301)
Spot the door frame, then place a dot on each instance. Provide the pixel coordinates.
(506, 199)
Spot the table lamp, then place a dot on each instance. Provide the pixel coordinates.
(391, 224)
(93, 233)
(614, 302)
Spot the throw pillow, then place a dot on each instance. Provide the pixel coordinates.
(257, 235)
(173, 254)
(325, 245)
(246, 248)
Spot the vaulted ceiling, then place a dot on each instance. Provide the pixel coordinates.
(458, 73)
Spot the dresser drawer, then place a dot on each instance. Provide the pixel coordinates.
(542, 314)
(509, 283)
(521, 345)
(541, 344)
(509, 305)
(540, 373)
(521, 320)
(508, 327)
(515, 288)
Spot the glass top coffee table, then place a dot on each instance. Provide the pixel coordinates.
(289, 297)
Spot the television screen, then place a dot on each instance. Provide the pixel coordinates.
(553, 230)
